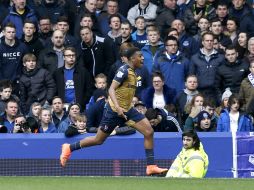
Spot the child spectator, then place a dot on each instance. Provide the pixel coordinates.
(6, 94)
(35, 110)
(140, 34)
(153, 46)
(46, 126)
(224, 101)
(204, 122)
(78, 128)
(36, 84)
(100, 83)
(232, 120)
(193, 108)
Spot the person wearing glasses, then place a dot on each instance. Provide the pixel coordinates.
(74, 83)
(172, 64)
(159, 94)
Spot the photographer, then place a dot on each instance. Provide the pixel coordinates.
(23, 125)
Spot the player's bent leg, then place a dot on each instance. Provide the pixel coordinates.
(144, 127)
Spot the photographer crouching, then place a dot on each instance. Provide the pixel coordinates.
(25, 125)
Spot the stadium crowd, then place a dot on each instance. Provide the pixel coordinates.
(59, 57)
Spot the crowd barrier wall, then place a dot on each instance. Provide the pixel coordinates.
(38, 154)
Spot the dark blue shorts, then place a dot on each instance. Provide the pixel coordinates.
(111, 119)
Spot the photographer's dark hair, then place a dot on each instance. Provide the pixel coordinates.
(194, 135)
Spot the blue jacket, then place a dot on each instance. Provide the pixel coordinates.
(244, 122)
(148, 94)
(17, 20)
(63, 126)
(148, 56)
(174, 70)
(51, 129)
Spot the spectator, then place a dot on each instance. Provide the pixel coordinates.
(73, 82)
(192, 109)
(36, 84)
(100, 83)
(241, 44)
(217, 30)
(78, 128)
(232, 29)
(222, 13)
(159, 95)
(51, 58)
(187, 44)
(204, 65)
(140, 107)
(192, 161)
(204, 122)
(250, 54)
(203, 26)
(185, 96)
(6, 94)
(20, 125)
(224, 101)
(51, 8)
(232, 120)
(247, 87)
(115, 27)
(31, 39)
(170, 11)
(104, 18)
(239, 9)
(231, 73)
(162, 121)
(46, 126)
(153, 46)
(144, 8)
(201, 8)
(11, 111)
(63, 25)
(11, 54)
(140, 34)
(35, 110)
(59, 113)
(210, 107)
(87, 20)
(17, 15)
(73, 110)
(172, 64)
(45, 29)
(97, 55)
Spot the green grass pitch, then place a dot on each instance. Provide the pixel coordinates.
(122, 183)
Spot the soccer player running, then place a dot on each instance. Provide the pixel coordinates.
(118, 110)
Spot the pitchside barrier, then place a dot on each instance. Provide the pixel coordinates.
(38, 155)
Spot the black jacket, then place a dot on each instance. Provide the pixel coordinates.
(35, 86)
(98, 57)
(82, 83)
(230, 76)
